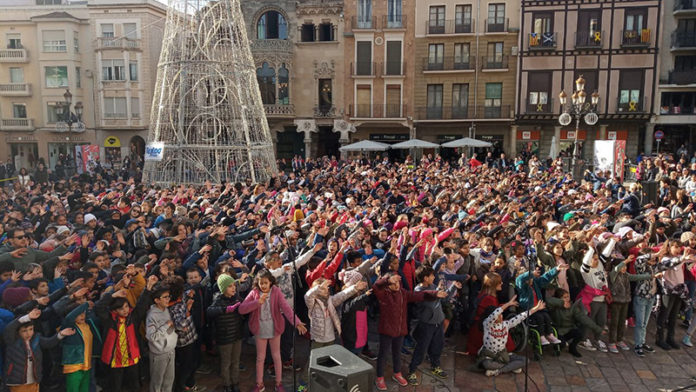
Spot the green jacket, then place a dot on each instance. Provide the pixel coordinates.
(74, 346)
(32, 256)
(566, 319)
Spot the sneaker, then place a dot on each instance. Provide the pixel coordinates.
(405, 350)
(517, 371)
(602, 346)
(302, 387)
(367, 353)
(622, 345)
(647, 349)
(639, 351)
(259, 388)
(413, 379)
(631, 322)
(438, 372)
(613, 349)
(380, 384)
(288, 365)
(587, 345)
(400, 379)
(687, 341)
(195, 388)
(204, 369)
(279, 388)
(492, 373)
(553, 339)
(543, 341)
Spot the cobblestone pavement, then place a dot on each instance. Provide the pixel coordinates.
(595, 371)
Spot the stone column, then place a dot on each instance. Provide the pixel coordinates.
(344, 129)
(307, 127)
(512, 152)
(649, 134)
(603, 132)
(557, 139)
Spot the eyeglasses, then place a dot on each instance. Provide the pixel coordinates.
(166, 296)
(20, 237)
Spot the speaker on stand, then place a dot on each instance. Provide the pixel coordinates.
(334, 368)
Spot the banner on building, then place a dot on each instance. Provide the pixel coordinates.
(609, 155)
(154, 151)
(87, 156)
(619, 158)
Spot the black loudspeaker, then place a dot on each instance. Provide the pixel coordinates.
(334, 368)
(651, 191)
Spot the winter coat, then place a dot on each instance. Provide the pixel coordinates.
(279, 309)
(620, 283)
(349, 319)
(323, 314)
(74, 346)
(393, 319)
(109, 321)
(228, 325)
(526, 298)
(16, 363)
(32, 256)
(574, 317)
(160, 335)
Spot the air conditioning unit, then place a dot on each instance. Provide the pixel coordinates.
(514, 50)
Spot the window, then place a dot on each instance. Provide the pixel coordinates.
(133, 71)
(56, 76)
(630, 90)
(364, 100)
(495, 55)
(589, 28)
(48, 2)
(78, 83)
(681, 64)
(393, 58)
(539, 86)
(19, 110)
(461, 56)
(326, 32)
(113, 70)
(364, 58)
(496, 18)
(462, 19)
(365, 14)
(14, 41)
(54, 41)
(272, 25)
(283, 86)
(115, 107)
(434, 101)
(130, 30)
(493, 102)
(52, 115)
(307, 32)
(107, 30)
(460, 100)
(393, 106)
(325, 98)
(267, 84)
(394, 16)
(436, 56)
(543, 23)
(16, 75)
(135, 107)
(636, 19)
(436, 21)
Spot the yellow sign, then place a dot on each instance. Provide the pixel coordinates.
(112, 141)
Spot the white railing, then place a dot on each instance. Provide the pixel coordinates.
(13, 55)
(55, 46)
(17, 124)
(16, 89)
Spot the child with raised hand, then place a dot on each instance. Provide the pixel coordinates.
(161, 336)
(493, 356)
(393, 326)
(223, 312)
(24, 352)
(267, 306)
(79, 348)
(620, 285)
(569, 318)
(325, 324)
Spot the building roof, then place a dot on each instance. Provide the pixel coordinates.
(55, 15)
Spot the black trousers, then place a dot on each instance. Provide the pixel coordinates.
(572, 337)
(541, 321)
(184, 364)
(667, 316)
(124, 379)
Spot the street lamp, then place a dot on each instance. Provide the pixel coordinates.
(63, 109)
(577, 108)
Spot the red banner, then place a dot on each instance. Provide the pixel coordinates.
(619, 158)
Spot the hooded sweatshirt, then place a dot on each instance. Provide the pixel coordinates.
(160, 335)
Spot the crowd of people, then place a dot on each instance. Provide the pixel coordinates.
(114, 283)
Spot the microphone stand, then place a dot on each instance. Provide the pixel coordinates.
(529, 261)
(292, 256)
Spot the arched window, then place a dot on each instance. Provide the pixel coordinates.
(272, 25)
(266, 78)
(283, 86)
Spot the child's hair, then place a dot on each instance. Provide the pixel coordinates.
(176, 286)
(423, 272)
(264, 274)
(159, 290)
(88, 266)
(94, 255)
(193, 269)
(490, 283)
(560, 292)
(34, 283)
(117, 303)
(6, 266)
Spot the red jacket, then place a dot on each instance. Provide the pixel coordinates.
(393, 319)
(324, 271)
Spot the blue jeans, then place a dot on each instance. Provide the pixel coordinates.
(430, 338)
(641, 309)
(691, 285)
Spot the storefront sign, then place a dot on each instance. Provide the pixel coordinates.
(571, 135)
(526, 135)
(112, 141)
(154, 151)
(387, 137)
(611, 135)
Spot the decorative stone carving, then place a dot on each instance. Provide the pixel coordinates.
(306, 126)
(343, 128)
(324, 69)
(319, 8)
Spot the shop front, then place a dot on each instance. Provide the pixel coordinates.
(112, 152)
(527, 143)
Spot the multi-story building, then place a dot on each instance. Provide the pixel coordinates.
(379, 69)
(105, 53)
(675, 102)
(612, 44)
(466, 70)
(298, 49)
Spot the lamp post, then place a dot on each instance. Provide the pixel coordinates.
(63, 108)
(576, 109)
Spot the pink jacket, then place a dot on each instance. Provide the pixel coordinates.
(279, 308)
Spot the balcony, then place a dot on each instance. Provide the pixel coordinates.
(14, 56)
(589, 39)
(273, 46)
(678, 110)
(393, 22)
(278, 111)
(15, 90)
(631, 106)
(493, 112)
(17, 124)
(635, 38)
(497, 26)
(393, 68)
(325, 111)
(682, 77)
(358, 24)
(443, 113)
(449, 64)
(539, 108)
(683, 40)
(543, 41)
(684, 7)
(450, 27)
(377, 111)
(363, 68)
(495, 63)
(118, 43)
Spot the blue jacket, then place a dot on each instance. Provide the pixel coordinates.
(74, 346)
(524, 290)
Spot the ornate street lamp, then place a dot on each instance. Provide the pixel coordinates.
(578, 108)
(63, 110)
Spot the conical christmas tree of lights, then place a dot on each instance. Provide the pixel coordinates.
(207, 108)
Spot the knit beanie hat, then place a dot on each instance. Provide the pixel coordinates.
(89, 218)
(15, 296)
(350, 277)
(224, 281)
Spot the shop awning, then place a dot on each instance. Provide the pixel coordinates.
(365, 145)
(467, 142)
(414, 143)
